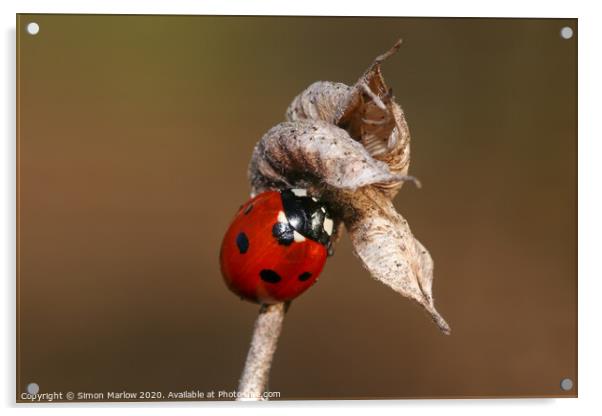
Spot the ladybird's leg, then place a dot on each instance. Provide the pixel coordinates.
(336, 236)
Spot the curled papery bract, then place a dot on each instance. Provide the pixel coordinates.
(322, 100)
(367, 111)
(314, 153)
(383, 241)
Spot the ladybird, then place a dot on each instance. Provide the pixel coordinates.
(276, 246)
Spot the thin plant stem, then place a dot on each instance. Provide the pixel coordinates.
(255, 375)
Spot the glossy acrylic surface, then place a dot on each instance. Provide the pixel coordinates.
(134, 136)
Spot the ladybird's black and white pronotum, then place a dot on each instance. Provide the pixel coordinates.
(276, 246)
(302, 217)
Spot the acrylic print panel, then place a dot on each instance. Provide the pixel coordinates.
(135, 135)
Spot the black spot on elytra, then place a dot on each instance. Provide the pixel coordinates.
(248, 209)
(304, 276)
(242, 242)
(269, 276)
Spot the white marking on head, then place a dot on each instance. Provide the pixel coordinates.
(323, 210)
(328, 224)
(299, 192)
(282, 217)
(314, 199)
(298, 237)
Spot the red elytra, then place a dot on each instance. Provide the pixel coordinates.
(257, 265)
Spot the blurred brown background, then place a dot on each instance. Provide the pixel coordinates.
(134, 138)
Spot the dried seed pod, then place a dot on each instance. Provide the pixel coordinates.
(350, 146)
